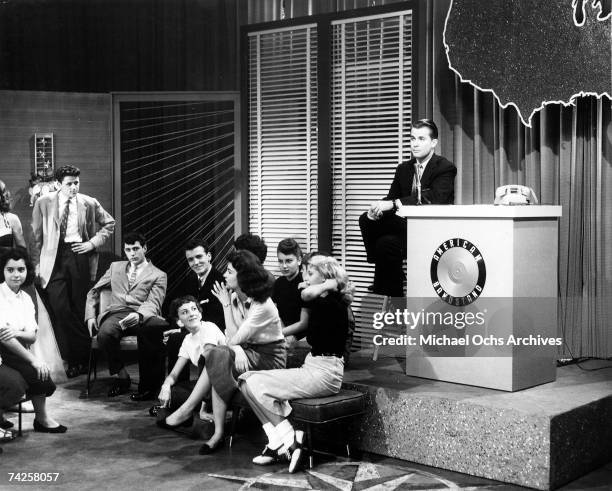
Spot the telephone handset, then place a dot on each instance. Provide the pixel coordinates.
(515, 194)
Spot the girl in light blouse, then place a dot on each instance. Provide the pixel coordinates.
(22, 372)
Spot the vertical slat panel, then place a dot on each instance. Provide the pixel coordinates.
(283, 153)
(177, 178)
(371, 113)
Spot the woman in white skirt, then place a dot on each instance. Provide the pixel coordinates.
(11, 235)
(327, 294)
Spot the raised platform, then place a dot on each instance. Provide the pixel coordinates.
(542, 437)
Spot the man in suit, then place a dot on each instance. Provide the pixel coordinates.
(425, 179)
(198, 283)
(66, 240)
(137, 293)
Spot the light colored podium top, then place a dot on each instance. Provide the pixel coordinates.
(480, 211)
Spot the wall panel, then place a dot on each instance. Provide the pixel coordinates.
(81, 127)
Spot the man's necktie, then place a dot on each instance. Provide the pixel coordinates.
(132, 278)
(416, 180)
(64, 220)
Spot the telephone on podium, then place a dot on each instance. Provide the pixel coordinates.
(515, 194)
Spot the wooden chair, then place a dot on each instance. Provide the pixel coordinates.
(20, 415)
(127, 343)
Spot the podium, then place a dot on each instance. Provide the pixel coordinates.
(482, 284)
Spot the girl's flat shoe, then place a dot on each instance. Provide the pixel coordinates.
(185, 424)
(45, 429)
(269, 456)
(6, 435)
(296, 452)
(5, 424)
(206, 449)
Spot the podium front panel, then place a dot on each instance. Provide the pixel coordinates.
(503, 270)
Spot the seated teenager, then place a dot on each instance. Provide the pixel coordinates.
(254, 341)
(286, 294)
(188, 314)
(327, 295)
(198, 283)
(252, 243)
(137, 293)
(20, 371)
(11, 235)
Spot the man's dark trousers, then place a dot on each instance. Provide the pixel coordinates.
(385, 243)
(67, 292)
(151, 351)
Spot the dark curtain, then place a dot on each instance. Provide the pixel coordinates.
(120, 45)
(565, 156)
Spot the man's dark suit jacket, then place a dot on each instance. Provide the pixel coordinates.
(437, 182)
(211, 307)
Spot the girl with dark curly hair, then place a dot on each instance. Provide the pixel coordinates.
(11, 235)
(20, 370)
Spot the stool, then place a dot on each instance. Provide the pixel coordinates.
(313, 411)
(384, 308)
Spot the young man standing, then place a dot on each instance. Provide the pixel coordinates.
(426, 178)
(66, 240)
(137, 293)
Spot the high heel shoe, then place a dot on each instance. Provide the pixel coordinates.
(206, 449)
(185, 424)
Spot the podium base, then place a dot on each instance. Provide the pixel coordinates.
(542, 437)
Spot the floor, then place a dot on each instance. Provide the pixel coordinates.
(114, 444)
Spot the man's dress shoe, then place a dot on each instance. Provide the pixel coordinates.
(153, 410)
(147, 395)
(76, 370)
(121, 386)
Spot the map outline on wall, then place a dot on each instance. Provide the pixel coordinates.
(530, 53)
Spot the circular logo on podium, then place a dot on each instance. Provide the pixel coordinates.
(458, 272)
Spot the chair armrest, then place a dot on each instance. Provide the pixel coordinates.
(104, 302)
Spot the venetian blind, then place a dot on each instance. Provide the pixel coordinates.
(371, 94)
(282, 92)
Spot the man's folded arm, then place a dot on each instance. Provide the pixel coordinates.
(152, 306)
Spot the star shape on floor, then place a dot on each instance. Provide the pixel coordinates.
(345, 476)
